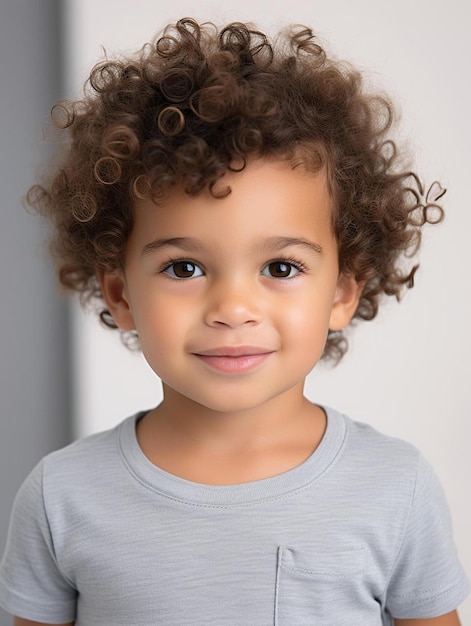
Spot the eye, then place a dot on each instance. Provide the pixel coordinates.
(183, 269)
(281, 269)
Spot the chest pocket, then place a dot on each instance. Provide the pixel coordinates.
(318, 589)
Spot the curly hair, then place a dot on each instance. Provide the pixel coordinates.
(198, 99)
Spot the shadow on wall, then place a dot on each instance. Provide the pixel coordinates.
(34, 381)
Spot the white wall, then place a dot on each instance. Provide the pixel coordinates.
(407, 372)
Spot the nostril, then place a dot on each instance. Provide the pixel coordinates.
(232, 314)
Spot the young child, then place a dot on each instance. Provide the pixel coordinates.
(233, 204)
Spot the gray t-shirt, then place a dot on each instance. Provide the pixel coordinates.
(356, 534)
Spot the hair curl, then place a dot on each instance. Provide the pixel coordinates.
(197, 100)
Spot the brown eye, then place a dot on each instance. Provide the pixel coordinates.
(280, 269)
(183, 269)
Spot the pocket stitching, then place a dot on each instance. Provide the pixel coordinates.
(323, 572)
(284, 567)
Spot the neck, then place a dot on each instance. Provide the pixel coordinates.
(194, 442)
(201, 425)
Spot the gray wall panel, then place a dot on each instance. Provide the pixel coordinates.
(34, 380)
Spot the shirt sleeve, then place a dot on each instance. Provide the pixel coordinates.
(427, 579)
(31, 583)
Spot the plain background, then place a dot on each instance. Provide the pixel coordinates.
(407, 373)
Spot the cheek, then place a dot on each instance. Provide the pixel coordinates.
(305, 325)
(309, 312)
(163, 325)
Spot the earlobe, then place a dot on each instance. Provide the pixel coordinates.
(347, 296)
(113, 289)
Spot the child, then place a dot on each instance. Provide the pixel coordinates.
(233, 204)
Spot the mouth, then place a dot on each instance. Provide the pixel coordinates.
(234, 359)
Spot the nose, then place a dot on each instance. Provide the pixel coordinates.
(233, 305)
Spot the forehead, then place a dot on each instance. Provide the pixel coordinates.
(268, 198)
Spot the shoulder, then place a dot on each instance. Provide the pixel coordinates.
(382, 465)
(78, 466)
(361, 440)
(88, 448)
(367, 445)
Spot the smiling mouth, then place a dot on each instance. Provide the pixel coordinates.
(234, 359)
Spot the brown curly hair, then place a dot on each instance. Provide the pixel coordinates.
(199, 99)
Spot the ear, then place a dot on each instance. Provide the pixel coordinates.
(347, 296)
(114, 291)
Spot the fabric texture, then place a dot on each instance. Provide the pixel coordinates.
(356, 534)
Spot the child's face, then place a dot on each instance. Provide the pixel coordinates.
(232, 298)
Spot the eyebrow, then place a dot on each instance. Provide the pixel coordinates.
(278, 243)
(189, 244)
(185, 243)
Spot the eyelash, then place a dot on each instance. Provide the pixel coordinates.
(296, 264)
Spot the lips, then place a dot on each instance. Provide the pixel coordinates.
(234, 351)
(234, 359)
